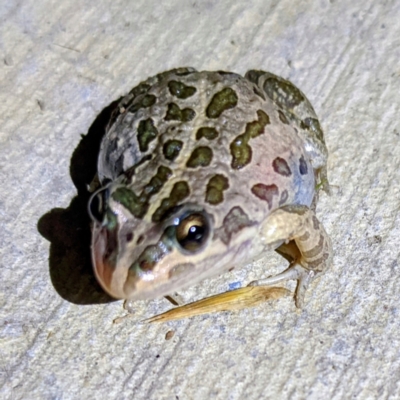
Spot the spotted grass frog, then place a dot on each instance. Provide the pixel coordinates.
(204, 171)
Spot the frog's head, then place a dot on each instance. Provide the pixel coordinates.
(142, 252)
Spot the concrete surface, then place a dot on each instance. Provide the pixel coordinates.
(62, 63)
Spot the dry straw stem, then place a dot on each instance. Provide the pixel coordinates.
(233, 300)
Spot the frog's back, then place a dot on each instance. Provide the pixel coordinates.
(213, 139)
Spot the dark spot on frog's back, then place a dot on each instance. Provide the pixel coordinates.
(281, 167)
(180, 90)
(303, 166)
(142, 88)
(171, 149)
(133, 97)
(221, 101)
(200, 157)
(130, 201)
(215, 189)
(240, 150)
(313, 125)
(283, 93)
(146, 133)
(206, 132)
(265, 192)
(254, 75)
(174, 113)
(234, 221)
(178, 193)
(224, 73)
(138, 205)
(146, 101)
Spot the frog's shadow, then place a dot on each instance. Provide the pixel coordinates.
(68, 230)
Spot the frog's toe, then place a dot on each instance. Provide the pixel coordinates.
(291, 273)
(304, 279)
(295, 272)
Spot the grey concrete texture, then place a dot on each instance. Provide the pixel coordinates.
(62, 63)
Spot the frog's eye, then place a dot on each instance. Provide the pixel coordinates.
(192, 232)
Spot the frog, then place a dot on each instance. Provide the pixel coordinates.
(203, 171)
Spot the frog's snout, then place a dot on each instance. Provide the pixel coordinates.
(104, 260)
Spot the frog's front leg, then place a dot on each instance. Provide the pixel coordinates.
(299, 224)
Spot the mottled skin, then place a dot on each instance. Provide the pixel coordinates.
(236, 158)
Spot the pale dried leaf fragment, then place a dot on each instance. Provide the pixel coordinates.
(118, 320)
(229, 301)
